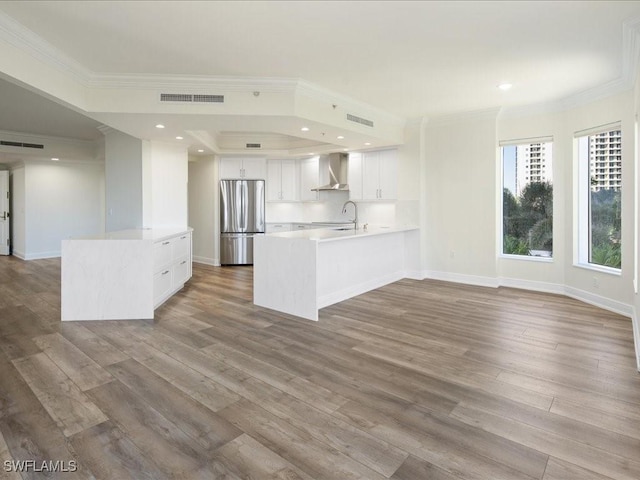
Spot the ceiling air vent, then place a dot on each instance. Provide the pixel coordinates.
(360, 120)
(191, 98)
(254, 145)
(6, 143)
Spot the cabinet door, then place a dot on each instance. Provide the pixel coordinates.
(230, 168)
(162, 254)
(309, 178)
(388, 185)
(355, 176)
(370, 176)
(274, 180)
(288, 180)
(162, 283)
(254, 168)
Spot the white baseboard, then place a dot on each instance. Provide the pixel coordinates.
(599, 301)
(532, 285)
(18, 254)
(462, 278)
(636, 336)
(39, 255)
(214, 262)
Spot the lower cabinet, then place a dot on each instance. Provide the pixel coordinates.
(172, 266)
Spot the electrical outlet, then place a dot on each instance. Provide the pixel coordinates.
(452, 254)
(596, 282)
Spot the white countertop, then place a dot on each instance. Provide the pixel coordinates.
(332, 234)
(152, 234)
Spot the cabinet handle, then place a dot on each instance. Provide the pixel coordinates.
(166, 243)
(183, 262)
(183, 237)
(165, 272)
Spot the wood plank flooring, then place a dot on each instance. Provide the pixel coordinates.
(417, 380)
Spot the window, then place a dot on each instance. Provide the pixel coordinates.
(527, 200)
(599, 202)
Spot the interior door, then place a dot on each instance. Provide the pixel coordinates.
(4, 213)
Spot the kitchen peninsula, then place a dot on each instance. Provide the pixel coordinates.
(301, 272)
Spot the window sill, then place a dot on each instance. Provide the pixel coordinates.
(599, 268)
(526, 258)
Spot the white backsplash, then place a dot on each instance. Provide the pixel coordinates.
(329, 209)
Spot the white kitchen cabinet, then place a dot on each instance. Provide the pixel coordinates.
(355, 176)
(250, 168)
(171, 266)
(378, 173)
(309, 178)
(282, 185)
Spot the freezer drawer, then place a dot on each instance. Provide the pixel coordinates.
(236, 249)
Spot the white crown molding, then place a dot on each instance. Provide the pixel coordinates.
(626, 81)
(485, 114)
(21, 37)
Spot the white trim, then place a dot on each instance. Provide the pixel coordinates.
(636, 336)
(41, 255)
(607, 127)
(599, 268)
(532, 285)
(487, 114)
(214, 262)
(599, 301)
(18, 254)
(526, 258)
(525, 141)
(462, 278)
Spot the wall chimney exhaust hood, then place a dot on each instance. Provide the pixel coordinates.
(334, 169)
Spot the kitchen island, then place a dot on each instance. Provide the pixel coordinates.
(123, 275)
(301, 272)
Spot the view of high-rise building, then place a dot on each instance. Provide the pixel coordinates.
(533, 164)
(605, 161)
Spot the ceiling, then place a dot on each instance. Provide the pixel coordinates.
(411, 59)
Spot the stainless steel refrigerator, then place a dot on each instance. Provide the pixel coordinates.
(242, 210)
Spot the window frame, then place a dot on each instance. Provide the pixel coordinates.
(500, 236)
(582, 198)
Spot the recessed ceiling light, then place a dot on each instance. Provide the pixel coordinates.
(367, 143)
(505, 86)
(345, 149)
(159, 125)
(305, 129)
(55, 159)
(200, 151)
(340, 137)
(179, 138)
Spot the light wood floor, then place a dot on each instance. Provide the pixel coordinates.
(416, 380)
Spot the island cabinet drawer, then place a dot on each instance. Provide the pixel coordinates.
(162, 285)
(181, 271)
(278, 227)
(162, 254)
(181, 246)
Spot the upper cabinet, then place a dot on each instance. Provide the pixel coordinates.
(250, 168)
(309, 178)
(373, 175)
(282, 184)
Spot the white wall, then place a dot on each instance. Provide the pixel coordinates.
(123, 180)
(204, 209)
(460, 196)
(54, 201)
(168, 179)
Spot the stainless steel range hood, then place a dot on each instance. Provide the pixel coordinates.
(334, 169)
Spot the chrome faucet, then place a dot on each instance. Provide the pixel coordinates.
(355, 208)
